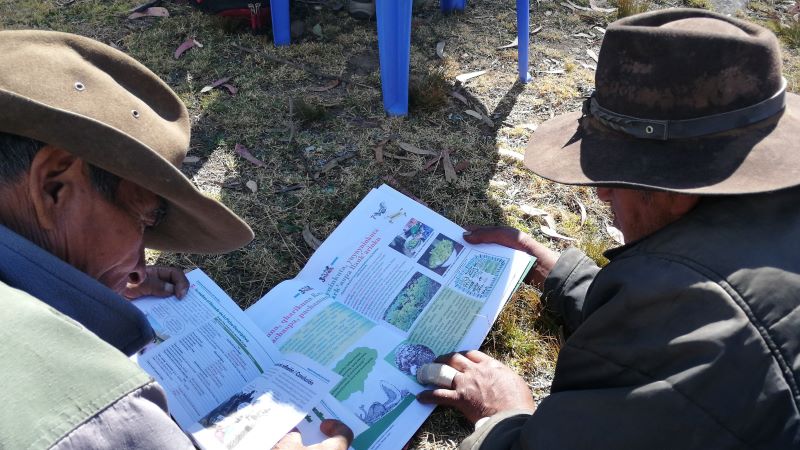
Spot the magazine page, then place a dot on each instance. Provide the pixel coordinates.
(221, 375)
(394, 286)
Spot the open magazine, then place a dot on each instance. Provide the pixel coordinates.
(394, 286)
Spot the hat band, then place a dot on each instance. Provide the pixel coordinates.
(690, 128)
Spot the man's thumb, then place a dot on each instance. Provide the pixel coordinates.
(337, 431)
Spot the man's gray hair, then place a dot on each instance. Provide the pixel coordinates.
(16, 156)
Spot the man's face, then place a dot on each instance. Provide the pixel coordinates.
(638, 213)
(105, 240)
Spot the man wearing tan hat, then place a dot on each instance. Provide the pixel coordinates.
(91, 143)
(690, 337)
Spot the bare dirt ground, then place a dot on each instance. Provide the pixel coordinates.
(312, 114)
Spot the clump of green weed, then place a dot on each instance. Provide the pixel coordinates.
(308, 111)
(428, 92)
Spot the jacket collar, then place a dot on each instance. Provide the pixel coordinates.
(25, 266)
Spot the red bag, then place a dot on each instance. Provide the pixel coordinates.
(257, 13)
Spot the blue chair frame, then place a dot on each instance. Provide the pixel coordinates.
(394, 43)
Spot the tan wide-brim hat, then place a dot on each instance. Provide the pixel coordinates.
(106, 108)
(686, 101)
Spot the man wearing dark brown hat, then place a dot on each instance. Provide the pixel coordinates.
(690, 337)
(90, 148)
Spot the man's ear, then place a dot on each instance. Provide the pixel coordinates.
(54, 182)
(683, 203)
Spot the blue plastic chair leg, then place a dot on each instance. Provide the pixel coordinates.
(450, 5)
(281, 31)
(394, 47)
(523, 39)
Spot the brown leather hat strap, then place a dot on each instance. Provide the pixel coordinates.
(689, 128)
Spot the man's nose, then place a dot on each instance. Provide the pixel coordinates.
(138, 273)
(603, 193)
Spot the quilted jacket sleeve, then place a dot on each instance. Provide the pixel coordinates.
(136, 421)
(652, 365)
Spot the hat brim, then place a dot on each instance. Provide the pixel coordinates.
(194, 223)
(572, 149)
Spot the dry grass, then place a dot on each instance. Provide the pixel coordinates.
(349, 120)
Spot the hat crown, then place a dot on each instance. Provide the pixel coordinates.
(685, 63)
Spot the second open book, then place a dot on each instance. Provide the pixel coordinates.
(394, 286)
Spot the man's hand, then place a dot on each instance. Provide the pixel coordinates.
(340, 437)
(160, 281)
(513, 238)
(483, 387)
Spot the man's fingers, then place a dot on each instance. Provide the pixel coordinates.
(340, 435)
(437, 374)
(477, 356)
(291, 441)
(444, 397)
(456, 360)
(173, 276)
(505, 236)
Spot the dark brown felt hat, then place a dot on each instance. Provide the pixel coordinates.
(103, 106)
(687, 101)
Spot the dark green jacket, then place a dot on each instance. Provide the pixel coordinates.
(687, 339)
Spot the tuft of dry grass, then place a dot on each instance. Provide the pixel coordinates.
(627, 8)
(788, 30)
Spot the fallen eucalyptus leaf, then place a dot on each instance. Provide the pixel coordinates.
(327, 87)
(583, 35)
(588, 66)
(462, 166)
(449, 171)
(396, 156)
(554, 72)
(154, 11)
(532, 211)
(573, 6)
(584, 216)
(189, 43)
(600, 29)
(432, 162)
(594, 7)
(242, 151)
(480, 117)
(537, 30)
(513, 44)
(460, 98)
(592, 54)
(290, 188)
(252, 185)
(615, 234)
(528, 126)
(317, 30)
(508, 153)
(334, 162)
(416, 150)
(191, 159)
(464, 77)
(555, 234)
(231, 88)
(310, 239)
(440, 49)
(379, 150)
(214, 84)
